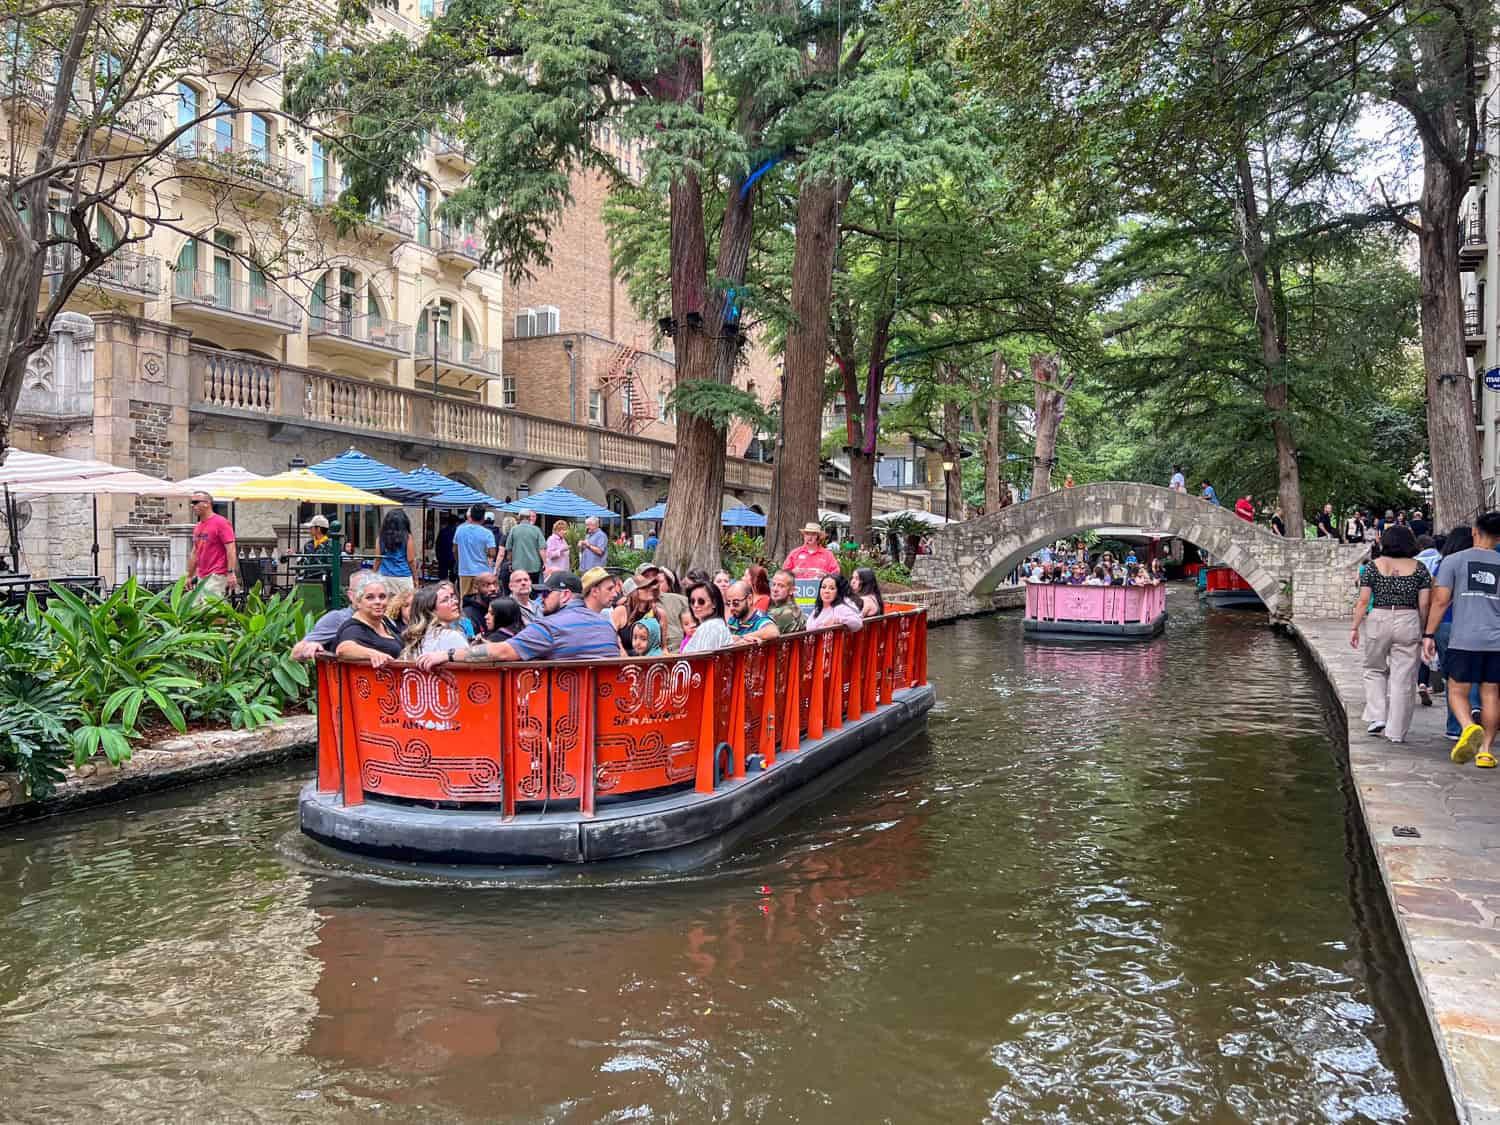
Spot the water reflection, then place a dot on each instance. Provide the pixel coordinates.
(1111, 884)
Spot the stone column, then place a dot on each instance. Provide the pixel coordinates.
(140, 417)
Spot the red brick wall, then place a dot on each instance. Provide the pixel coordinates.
(592, 304)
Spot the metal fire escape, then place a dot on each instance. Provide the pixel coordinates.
(636, 407)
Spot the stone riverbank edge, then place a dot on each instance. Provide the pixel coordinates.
(166, 764)
(1444, 885)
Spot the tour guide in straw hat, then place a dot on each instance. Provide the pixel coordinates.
(812, 559)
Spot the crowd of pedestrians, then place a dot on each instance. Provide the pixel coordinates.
(1427, 605)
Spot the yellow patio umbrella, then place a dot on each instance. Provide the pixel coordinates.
(300, 484)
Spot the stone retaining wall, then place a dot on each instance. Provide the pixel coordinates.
(950, 603)
(179, 760)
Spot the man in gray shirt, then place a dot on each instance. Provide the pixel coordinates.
(1469, 581)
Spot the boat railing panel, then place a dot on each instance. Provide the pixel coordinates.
(1103, 605)
(565, 733)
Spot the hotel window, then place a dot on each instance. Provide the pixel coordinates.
(508, 391)
(424, 215)
(596, 408)
(187, 113)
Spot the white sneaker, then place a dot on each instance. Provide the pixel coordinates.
(1375, 728)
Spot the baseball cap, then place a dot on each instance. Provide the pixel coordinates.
(563, 580)
(646, 566)
(592, 577)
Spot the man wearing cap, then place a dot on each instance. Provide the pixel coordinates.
(812, 559)
(317, 554)
(673, 605)
(572, 626)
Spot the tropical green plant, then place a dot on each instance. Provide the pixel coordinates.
(251, 677)
(37, 710)
(132, 653)
(625, 558)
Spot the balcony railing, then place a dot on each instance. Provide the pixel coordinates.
(450, 150)
(195, 288)
(136, 119)
(371, 330)
(458, 244)
(240, 158)
(398, 223)
(124, 271)
(247, 385)
(466, 354)
(235, 41)
(1473, 320)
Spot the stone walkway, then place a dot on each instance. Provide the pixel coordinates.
(1445, 884)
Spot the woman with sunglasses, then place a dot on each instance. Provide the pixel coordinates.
(706, 604)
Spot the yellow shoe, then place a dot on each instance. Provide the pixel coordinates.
(1467, 744)
(1485, 760)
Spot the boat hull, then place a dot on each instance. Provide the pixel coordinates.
(703, 823)
(1108, 631)
(1233, 599)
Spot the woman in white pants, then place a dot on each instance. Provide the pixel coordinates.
(1392, 605)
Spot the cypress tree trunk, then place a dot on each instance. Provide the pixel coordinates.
(861, 494)
(1457, 489)
(1272, 343)
(1049, 397)
(691, 530)
(794, 488)
(953, 479)
(994, 447)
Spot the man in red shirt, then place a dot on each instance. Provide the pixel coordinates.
(214, 563)
(1244, 507)
(812, 559)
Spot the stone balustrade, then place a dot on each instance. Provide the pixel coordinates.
(158, 556)
(247, 385)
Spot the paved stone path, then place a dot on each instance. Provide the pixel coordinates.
(1445, 885)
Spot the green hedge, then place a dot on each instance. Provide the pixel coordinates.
(93, 673)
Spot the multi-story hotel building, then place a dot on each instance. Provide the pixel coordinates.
(1479, 258)
(395, 339)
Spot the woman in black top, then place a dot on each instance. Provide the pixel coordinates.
(1392, 604)
(369, 634)
(502, 620)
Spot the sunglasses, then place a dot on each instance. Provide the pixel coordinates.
(701, 601)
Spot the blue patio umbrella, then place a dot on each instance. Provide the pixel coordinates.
(454, 494)
(654, 514)
(559, 501)
(358, 470)
(743, 517)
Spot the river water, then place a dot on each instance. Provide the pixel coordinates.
(1110, 883)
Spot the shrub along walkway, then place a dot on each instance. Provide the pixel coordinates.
(1444, 885)
(165, 764)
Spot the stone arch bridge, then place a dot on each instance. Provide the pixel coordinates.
(1314, 576)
